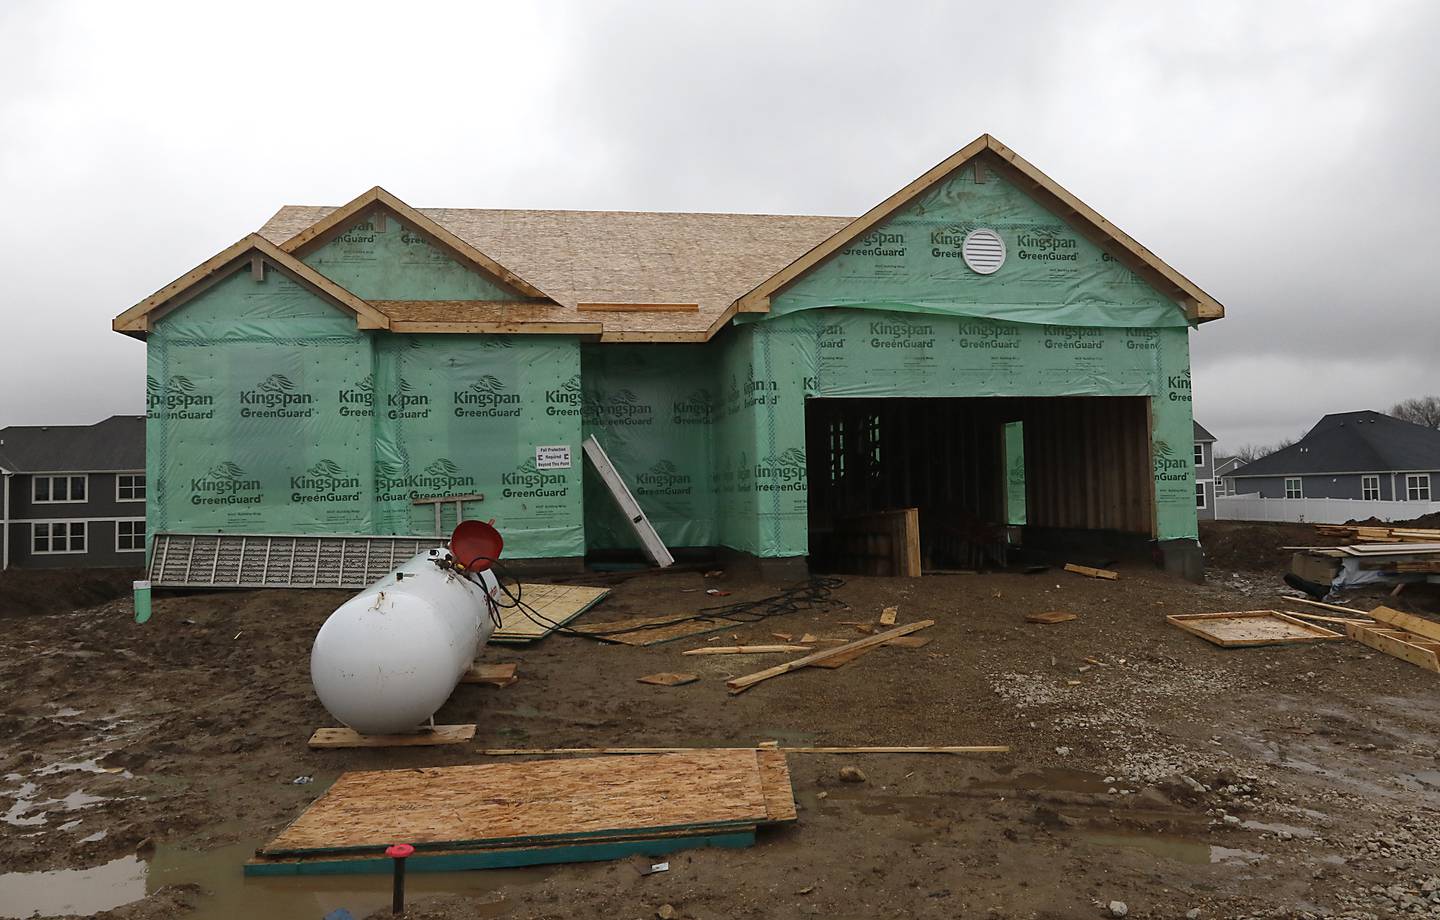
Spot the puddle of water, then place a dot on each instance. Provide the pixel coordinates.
(1055, 779)
(1278, 828)
(230, 894)
(81, 766)
(1180, 849)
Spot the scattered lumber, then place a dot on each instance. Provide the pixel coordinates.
(1367, 533)
(1051, 616)
(741, 684)
(1321, 618)
(496, 675)
(349, 738)
(1399, 643)
(840, 661)
(1420, 626)
(1249, 628)
(745, 649)
(668, 679)
(1091, 571)
(768, 746)
(1305, 600)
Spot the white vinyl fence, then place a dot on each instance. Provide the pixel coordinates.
(1316, 510)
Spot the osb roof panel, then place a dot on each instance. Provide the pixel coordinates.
(613, 257)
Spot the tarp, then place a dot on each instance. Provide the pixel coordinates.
(913, 263)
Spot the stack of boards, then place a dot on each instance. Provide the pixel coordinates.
(501, 815)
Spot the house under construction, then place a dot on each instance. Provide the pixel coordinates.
(981, 346)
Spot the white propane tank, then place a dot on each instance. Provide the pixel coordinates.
(390, 656)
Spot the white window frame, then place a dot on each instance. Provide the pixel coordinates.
(50, 538)
(1369, 484)
(143, 535)
(1200, 503)
(52, 478)
(119, 477)
(1299, 486)
(1413, 487)
(1199, 454)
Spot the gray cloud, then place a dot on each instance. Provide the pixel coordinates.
(1280, 155)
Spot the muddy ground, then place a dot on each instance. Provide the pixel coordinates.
(1173, 775)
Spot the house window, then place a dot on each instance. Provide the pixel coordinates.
(1293, 489)
(57, 537)
(1417, 487)
(1199, 495)
(1370, 488)
(130, 487)
(130, 536)
(1199, 454)
(54, 490)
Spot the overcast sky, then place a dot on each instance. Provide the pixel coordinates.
(1283, 156)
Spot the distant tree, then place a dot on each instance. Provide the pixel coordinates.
(1252, 452)
(1422, 410)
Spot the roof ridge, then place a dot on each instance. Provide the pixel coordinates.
(427, 209)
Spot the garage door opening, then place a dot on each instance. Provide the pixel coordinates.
(980, 473)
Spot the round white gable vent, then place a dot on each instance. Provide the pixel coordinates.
(984, 251)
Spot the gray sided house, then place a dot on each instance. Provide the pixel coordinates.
(980, 346)
(1204, 473)
(1225, 468)
(73, 495)
(1365, 455)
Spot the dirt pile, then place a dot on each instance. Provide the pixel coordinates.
(38, 591)
(1247, 546)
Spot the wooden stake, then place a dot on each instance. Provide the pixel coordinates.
(1091, 571)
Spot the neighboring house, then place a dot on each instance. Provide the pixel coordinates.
(1204, 473)
(1225, 468)
(1365, 455)
(73, 496)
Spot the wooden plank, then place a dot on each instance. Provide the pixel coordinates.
(1248, 628)
(1320, 617)
(741, 684)
(632, 751)
(840, 661)
(775, 784)
(746, 649)
(1408, 622)
(1324, 606)
(1393, 642)
(887, 616)
(1051, 616)
(497, 675)
(668, 679)
(349, 738)
(535, 802)
(1091, 571)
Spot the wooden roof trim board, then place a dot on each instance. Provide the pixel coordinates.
(1199, 307)
(139, 320)
(337, 221)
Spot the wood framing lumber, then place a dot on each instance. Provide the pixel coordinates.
(349, 738)
(1320, 617)
(741, 684)
(746, 649)
(668, 679)
(840, 661)
(497, 675)
(1420, 626)
(1091, 571)
(1305, 600)
(1050, 617)
(871, 749)
(1397, 643)
(1248, 628)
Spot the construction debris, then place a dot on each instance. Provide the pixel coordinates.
(1244, 629)
(548, 811)
(1091, 572)
(1404, 636)
(887, 616)
(741, 684)
(1366, 533)
(745, 649)
(668, 679)
(349, 738)
(767, 746)
(1051, 616)
(496, 675)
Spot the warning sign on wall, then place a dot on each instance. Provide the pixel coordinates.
(553, 458)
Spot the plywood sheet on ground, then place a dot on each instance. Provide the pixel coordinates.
(1245, 628)
(554, 605)
(535, 802)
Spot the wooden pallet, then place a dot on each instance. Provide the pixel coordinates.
(541, 803)
(1248, 628)
(557, 604)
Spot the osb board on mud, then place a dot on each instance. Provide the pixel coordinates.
(557, 604)
(498, 804)
(426, 737)
(1246, 628)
